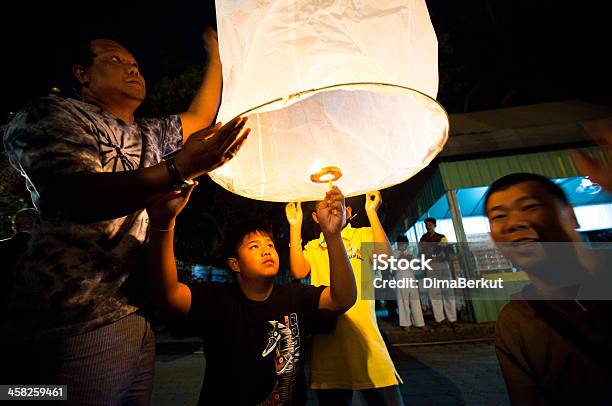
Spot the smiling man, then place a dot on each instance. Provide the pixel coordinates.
(525, 212)
(76, 307)
(552, 347)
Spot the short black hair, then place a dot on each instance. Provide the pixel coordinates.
(401, 238)
(236, 234)
(430, 220)
(78, 52)
(507, 181)
(82, 54)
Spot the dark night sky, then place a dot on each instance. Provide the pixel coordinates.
(35, 39)
(492, 53)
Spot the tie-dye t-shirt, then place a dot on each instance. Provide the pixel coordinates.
(76, 277)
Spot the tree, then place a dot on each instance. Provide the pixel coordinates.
(173, 94)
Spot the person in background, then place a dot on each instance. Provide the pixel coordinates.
(353, 356)
(443, 303)
(408, 299)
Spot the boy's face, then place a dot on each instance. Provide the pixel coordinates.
(430, 226)
(523, 216)
(257, 257)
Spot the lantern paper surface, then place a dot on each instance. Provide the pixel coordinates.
(338, 83)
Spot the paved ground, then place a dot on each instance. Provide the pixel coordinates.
(450, 374)
(178, 379)
(465, 332)
(454, 374)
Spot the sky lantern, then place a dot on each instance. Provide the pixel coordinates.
(334, 89)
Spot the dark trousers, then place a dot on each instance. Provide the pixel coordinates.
(387, 396)
(112, 365)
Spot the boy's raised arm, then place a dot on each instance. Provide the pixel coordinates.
(382, 244)
(162, 282)
(342, 291)
(300, 268)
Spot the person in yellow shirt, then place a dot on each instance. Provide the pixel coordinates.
(353, 356)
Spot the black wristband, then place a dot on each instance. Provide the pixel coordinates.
(177, 180)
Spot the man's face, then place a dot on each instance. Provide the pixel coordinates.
(114, 72)
(430, 226)
(257, 257)
(525, 215)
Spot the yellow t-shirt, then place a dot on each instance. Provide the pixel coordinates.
(353, 355)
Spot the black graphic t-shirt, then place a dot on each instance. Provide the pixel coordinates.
(255, 350)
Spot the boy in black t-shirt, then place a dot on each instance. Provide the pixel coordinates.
(253, 331)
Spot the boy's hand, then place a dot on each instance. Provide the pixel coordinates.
(331, 212)
(165, 209)
(294, 214)
(373, 201)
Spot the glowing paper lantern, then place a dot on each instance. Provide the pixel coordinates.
(349, 84)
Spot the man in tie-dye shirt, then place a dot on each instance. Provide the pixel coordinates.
(75, 312)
